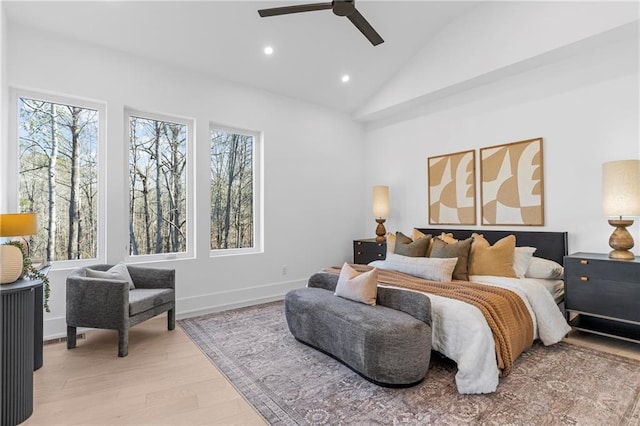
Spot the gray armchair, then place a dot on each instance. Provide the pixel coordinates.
(108, 303)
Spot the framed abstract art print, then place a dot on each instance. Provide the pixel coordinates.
(452, 189)
(511, 184)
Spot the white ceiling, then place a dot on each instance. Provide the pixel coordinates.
(226, 38)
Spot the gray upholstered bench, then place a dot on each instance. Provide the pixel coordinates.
(388, 344)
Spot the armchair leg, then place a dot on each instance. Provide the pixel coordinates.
(123, 342)
(71, 337)
(171, 319)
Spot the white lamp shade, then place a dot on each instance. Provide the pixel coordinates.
(621, 188)
(381, 202)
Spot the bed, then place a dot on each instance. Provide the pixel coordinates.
(460, 330)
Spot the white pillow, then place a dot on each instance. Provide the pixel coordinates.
(544, 269)
(117, 272)
(429, 268)
(360, 287)
(521, 259)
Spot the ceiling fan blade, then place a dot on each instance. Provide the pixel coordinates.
(285, 10)
(365, 28)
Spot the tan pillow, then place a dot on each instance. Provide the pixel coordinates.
(416, 235)
(359, 287)
(496, 260)
(391, 242)
(447, 238)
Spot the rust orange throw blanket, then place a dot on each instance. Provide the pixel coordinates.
(506, 313)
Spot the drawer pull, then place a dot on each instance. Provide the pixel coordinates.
(584, 262)
(379, 254)
(584, 278)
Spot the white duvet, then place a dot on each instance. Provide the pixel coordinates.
(461, 333)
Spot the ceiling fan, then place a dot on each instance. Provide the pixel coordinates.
(340, 7)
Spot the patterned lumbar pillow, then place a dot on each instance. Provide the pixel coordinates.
(497, 259)
(458, 249)
(405, 246)
(117, 272)
(359, 287)
(428, 268)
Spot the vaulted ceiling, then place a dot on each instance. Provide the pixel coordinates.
(312, 50)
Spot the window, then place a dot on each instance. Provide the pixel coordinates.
(158, 187)
(234, 190)
(58, 142)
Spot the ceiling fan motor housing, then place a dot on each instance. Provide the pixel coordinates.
(343, 7)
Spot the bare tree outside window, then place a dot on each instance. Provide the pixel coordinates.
(232, 190)
(58, 177)
(157, 186)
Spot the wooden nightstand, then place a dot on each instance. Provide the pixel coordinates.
(602, 295)
(368, 250)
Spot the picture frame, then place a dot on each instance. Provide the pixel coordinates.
(452, 188)
(512, 184)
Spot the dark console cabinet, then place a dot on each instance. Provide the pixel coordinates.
(368, 250)
(21, 347)
(602, 295)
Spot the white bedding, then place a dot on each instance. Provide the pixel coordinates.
(461, 333)
(554, 287)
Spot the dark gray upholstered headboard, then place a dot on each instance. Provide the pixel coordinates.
(549, 245)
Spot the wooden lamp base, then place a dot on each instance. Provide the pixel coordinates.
(380, 231)
(621, 240)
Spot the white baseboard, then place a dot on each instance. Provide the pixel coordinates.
(215, 302)
(186, 307)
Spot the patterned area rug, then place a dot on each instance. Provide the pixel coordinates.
(291, 383)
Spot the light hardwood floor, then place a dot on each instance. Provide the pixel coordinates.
(165, 379)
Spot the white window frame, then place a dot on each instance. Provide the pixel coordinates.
(190, 196)
(258, 191)
(14, 172)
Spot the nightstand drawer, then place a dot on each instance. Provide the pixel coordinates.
(602, 269)
(605, 293)
(366, 251)
(613, 299)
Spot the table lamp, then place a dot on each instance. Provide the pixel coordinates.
(11, 260)
(380, 210)
(621, 197)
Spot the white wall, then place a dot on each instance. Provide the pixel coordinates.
(313, 174)
(494, 40)
(3, 107)
(584, 106)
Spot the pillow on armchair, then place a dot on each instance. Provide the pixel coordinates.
(117, 272)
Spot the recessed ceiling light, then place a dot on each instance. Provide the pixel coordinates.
(268, 50)
(345, 78)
